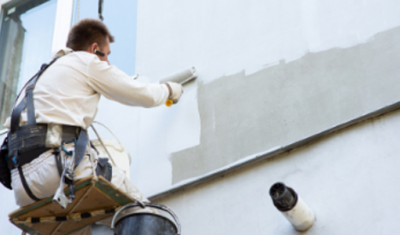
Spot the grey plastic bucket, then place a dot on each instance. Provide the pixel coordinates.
(145, 223)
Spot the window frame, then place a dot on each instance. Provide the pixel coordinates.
(63, 21)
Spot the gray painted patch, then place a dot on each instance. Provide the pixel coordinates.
(242, 115)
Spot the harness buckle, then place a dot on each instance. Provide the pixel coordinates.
(15, 160)
(67, 178)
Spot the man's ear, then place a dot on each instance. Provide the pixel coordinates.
(93, 47)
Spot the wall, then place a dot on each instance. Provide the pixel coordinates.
(347, 179)
(270, 73)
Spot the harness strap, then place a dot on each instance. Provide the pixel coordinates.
(57, 156)
(80, 147)
(30, 109)
(16, 115)
(26, 187)
(27, 102)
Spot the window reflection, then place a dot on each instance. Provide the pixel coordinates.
(121, 20)
(25, 43)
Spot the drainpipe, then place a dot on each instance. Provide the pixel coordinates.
(292, 207)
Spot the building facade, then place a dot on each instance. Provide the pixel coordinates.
(299, 92)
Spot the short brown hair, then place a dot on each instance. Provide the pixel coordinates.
(86, 32)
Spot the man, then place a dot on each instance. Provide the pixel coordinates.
(67, 95)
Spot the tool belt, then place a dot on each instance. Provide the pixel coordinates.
(31, 141)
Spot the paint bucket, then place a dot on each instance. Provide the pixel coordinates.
(118, 152)
(163, 222)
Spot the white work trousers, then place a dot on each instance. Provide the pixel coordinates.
(43, 178)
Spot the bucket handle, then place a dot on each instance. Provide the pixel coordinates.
(161, 207)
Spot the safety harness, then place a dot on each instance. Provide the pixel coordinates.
(25, 143)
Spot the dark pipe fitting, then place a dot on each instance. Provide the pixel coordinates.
(284, 198)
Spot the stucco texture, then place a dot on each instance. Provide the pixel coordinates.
(242, 115)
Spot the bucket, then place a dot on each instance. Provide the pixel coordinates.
(145, 223)
(118, 152)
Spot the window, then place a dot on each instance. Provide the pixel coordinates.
(120, 18)
(26, 35)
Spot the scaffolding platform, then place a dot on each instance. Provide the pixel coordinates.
(95, 199)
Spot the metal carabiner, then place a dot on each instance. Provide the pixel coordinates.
(67, 177)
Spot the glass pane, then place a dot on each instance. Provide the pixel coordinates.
(120, 18)
(25, 43)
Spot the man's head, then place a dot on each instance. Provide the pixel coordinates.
(90, 35)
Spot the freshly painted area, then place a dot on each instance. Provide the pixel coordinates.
(289, 101)
(270, 73)
(341, 177)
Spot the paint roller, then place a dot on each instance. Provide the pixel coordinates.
(182, 77)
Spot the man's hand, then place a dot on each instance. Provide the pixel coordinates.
(175, 92)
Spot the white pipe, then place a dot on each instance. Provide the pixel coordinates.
(292, 207)
(301, 216)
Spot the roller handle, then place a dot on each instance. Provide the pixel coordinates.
(182, 78)
(169, 103)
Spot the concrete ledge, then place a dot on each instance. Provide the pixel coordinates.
(245, 162)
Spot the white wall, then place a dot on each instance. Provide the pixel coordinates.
(348, 179)
(226, 37)
(270, 73)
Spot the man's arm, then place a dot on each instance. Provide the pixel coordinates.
(117, 85)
